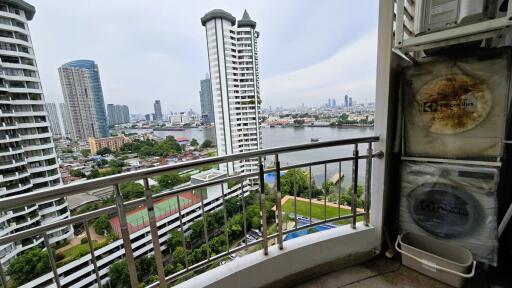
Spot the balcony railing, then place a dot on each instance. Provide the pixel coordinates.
(247, 183)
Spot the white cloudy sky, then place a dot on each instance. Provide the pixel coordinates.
(156, 49)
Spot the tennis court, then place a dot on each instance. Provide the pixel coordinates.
(138, 218)
(163, 207)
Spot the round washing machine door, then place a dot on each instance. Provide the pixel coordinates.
(444, 210)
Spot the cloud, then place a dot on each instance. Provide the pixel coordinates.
(351, 71)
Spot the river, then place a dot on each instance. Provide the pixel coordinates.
(275, 137)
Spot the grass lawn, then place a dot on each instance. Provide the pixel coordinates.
(79, 250)
(317, 211)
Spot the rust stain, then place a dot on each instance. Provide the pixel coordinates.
(454, 103)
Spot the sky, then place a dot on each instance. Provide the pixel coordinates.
(309, 51)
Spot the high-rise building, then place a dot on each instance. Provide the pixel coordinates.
(65, 120)
(158, 110)
(346, 100)
(333, 103)
(350, 102)
(28, 161)
(205, 94)
(53, 118)
(147, 117)
(83, 96)
(234, 73)
(118, 114)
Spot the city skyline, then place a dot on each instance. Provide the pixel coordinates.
(294, 69)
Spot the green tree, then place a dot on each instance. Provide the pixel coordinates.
(118, 274)
(104, 151)
(77, 173)
(178, 256)
(295, 180)
(194, 142)
(145, 267)
(101, 225)
(95, 173)
(132, 190)
(206, 144)
(218, 244)
(175, 239)
(170, 180)
(85, 152)
(28, 266)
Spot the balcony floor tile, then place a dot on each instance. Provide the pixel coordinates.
(385, 273)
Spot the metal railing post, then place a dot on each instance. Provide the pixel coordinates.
(263, 207)
(154, 234)
(127, 244)
(278, 204)
(339, 190)
(353, 205)
(243, 212)
(205, 227)
(225, 216)
(52, 260)
(310, 196)
(93, 255)
(295, 198)
(182, 231)
(325, 191)
(2, 276)
(368, 184)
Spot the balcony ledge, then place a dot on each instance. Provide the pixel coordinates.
(301, 259)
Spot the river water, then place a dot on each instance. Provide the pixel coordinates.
(275, 137)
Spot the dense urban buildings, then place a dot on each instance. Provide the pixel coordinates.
(83, 96)
(235, 84)
(158, 111)
(113, 143)
(28, 161)
(207, 116)
(118, 114)
(65, 120)
(53, 118)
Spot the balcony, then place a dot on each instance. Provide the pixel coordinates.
(280, 229)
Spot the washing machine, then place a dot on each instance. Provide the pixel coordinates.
(455, 107)
(456, 203)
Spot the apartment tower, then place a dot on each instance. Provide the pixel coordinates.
(118, 114)
(83, 98)
(233, 60)
(205, 94)
(65, 120)
(158, 111)
(53, 118)
(28, 161)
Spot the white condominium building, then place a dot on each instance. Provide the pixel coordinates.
(233, 59)
(28, 161)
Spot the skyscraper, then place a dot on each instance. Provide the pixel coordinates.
(53, 117)
(235, 84)
(83, 98)
(350, 102)
(333, 103)
(206, 101)
(346, 100)
(118, 114)
(158, 110)
(65, 120)
(28, 162)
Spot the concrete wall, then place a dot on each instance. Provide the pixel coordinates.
(301, 259)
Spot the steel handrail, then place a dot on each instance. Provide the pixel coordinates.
(57, 192)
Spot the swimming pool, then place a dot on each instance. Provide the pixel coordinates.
(270, 178)
(305, 221)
